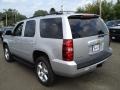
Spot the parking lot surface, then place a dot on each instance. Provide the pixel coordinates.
(15, 76)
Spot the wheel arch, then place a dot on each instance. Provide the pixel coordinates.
(4, 44)
(38, 53)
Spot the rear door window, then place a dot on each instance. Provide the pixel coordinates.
(51, 28)
(85, 27)
(30, 28)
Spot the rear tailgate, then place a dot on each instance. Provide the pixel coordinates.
(90, 39)
(88, 51)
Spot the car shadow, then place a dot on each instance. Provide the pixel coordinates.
(60, 80)
(115, 41)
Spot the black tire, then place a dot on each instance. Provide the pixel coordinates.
(7, 51)
(50, 75)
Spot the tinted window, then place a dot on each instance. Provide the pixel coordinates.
(5, 29)
(86, 27)
(30, 28)
(51, 28)
(18, 29)
(113, 23)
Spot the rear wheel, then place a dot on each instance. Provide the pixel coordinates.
(44, 71)
(7, 54)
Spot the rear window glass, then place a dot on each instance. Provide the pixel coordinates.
(30, 28)
(86, 27)
(51, 28)
(113, 23)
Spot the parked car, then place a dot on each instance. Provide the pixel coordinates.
(67, 45)
(5, 32)
(4, 29)
(113, 23)
(114, 28)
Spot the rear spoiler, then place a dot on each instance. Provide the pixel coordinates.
(83, 16)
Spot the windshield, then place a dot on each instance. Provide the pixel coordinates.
(113, 23)
(87, 27)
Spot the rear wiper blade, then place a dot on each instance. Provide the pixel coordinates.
(101, 33)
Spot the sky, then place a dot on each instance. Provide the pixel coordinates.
(28, 7)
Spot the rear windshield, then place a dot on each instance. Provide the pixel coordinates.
(82, 27)
(113, 23)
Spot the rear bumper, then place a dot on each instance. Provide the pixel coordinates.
(70, 69)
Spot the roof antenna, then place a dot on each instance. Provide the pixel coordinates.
(62, 7)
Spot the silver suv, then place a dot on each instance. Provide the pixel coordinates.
(66, 45)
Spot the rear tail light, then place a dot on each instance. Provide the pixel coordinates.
(67, 51)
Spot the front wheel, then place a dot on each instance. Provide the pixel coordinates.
(44, 71)
(7, 54)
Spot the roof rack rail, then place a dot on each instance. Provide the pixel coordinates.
(62, 12)
(35, 17)
(67, 12)
(56, 13)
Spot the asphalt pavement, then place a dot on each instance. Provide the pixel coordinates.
(15, 76)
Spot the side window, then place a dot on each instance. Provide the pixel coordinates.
(51, 28)
(18, 29)
(30, 28)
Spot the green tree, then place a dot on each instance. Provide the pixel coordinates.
(117, 10)
(107, 9)
(118, 1)
(1, 16)
(89, 8)
(13, 16)
(40, 13)
(92, 8)
(80, 10)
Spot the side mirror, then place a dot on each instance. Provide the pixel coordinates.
(8, 32)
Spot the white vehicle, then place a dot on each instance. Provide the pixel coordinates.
(67, 45)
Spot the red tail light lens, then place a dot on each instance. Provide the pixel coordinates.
(67, 50)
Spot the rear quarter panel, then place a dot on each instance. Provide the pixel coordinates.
(52, 47)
